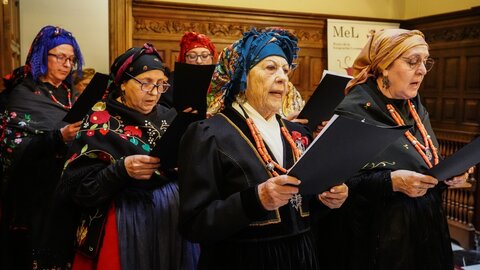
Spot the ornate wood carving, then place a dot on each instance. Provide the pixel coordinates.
(163, 24)
(120, 27)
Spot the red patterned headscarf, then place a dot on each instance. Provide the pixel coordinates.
(192, 40)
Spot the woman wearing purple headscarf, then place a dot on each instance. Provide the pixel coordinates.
(235, 198)
(33, 141)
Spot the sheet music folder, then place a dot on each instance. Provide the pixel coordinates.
(166, 148)
(328, 94)
(458, 163)
(342, 148)
(92, 93)
(191, 83)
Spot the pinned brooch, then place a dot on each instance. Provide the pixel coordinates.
(367, 105)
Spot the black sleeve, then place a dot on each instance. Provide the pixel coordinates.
(91, 182)
(204, 169)
(372, 185)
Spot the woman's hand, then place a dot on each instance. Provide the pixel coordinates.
(335, 197)
(411, 183)
(319, 128)
(190, 110)
(457, 180)
(293, 118)
(70, 131)
(141, 167)
(276, 191)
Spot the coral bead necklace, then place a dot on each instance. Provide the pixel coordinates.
(425, 150)
(271, 165)
(69, 98)
(262, 150)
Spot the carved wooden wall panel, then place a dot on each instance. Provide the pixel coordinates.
(454, 82)
(451, 93)
(163, 24)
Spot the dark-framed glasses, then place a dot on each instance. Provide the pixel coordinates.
(193, 56)
(415, 61)
(147, 87)
(63, 59)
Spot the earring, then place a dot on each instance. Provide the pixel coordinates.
(241, 98)
(385, 82)
(122, 96)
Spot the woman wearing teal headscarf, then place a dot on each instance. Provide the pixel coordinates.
(235, 199)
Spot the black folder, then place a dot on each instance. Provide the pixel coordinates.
(190, 84)
(92, 93)
(458, 163)
(328, 94)
(166, 148)
(342, 148)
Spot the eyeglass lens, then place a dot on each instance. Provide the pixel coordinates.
(194, 56)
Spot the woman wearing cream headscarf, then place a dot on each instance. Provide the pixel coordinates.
(395, 212)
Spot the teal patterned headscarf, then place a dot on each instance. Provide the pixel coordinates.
(236, 60)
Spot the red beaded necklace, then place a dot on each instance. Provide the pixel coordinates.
(262, 150)
(69, 98)
(422, 149)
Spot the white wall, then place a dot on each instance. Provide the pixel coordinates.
(86, 19)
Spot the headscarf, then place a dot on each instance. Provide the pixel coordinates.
(381, 50)
(48, 38)
(236, 60)
(136, 60)
(192, 40)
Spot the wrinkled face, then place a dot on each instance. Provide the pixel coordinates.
(267, 85)
(406, 73)
(59, 64)
(199, 56)
(143, 101)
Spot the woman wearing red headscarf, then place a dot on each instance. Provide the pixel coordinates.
(195, 49)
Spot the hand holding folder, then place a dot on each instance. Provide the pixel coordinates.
(342, 148)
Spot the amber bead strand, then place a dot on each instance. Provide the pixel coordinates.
(69, 97)
(421, 149)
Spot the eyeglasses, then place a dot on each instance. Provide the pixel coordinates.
(415, 61)
(194, 57)
(62, 59)
(147, 87)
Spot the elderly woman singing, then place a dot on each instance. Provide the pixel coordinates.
(235, 198)
(394, 211)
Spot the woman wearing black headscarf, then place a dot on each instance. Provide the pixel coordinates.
(235, 197)
(130, 207)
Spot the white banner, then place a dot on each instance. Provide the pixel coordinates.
(345, 40)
